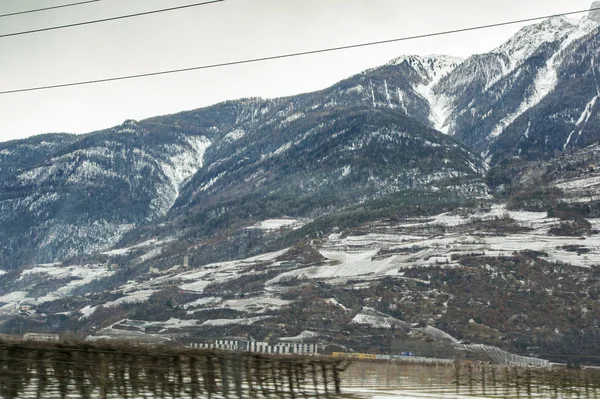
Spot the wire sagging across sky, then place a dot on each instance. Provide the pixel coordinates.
(48, 8)
(96, 21)
(289, 55)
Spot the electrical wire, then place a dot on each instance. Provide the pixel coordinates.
(48, 8)
(97, 21)
(288, 55)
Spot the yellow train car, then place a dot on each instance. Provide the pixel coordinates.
(340, 354)
(363, 356)
(360, 356)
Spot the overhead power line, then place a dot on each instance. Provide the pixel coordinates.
(97, 21)
(48, 8)
(290, 55)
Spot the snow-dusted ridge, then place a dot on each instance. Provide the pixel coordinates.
(488, 94)
(433, 69)
(525, 43)
(528, 40)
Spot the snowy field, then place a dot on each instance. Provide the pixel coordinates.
(386, 250)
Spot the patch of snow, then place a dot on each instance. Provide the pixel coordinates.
(177, 323)
(87, 311)
(266, 257)
(196, 286)
(203, 302)
(583, 121)
(334, 302)
(349, 265)
(375, 319)
(228, 322)
(80, 275)
(15, 296)
(256, 305)
(150, 254)
(301, 337)
(276, 224)
(293, 117)
(152, 243)
(346, 170)
(437, 333)
(358, 89)
(205, 186)
(183, 162)
(235, 135)
(580, 184)
(282, 149)
(133, 297)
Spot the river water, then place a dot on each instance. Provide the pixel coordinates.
(386, 381)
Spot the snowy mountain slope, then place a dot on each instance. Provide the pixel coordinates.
(594, 15)
(570, 183)
(23, 154)
(85, 195)
(323, 161)
(307, 153)
(535, 96)
(471, 274)
(525, 43)
(567, 117)
(432, 69)
(403, 85)
(486, 96)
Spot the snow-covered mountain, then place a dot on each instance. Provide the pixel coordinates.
(370, 199)
(595, 14)
(83, 193)
(232, 163)
(432, 70)
(502, 103)
(404, 85)
(534, 96)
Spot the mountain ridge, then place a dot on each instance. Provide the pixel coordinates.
(495, 104)
(488, 94)
(343, 211)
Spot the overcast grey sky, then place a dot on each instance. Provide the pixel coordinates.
(221, 32)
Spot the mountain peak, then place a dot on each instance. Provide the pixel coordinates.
(128, 126)
(426, 59)
(595, 15)
(527, 40)
(431, 67)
